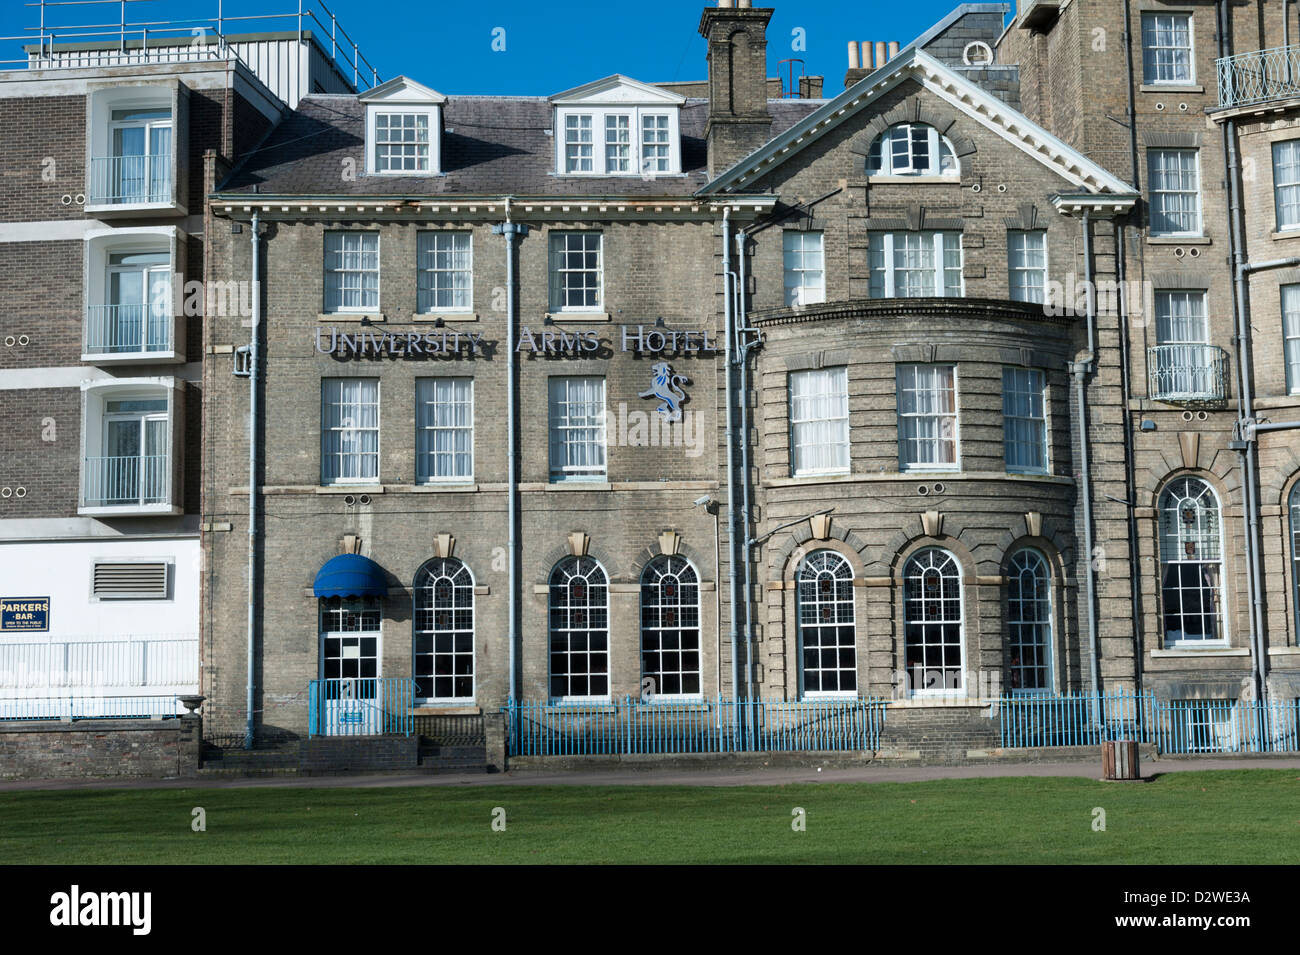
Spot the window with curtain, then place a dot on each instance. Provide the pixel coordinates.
(579, 628)
(1029, 623)
(911, 149)
(349, 430)
(1294, 513)
(1024, 421)
(443, 631)
(828, 659)
(916, 264)
(1175, 191)
(1286, 184)
(577, 428)
(444, 429)
(1291, 336)
(1027, 263)
(670, 626)
(351, 271)
(1167, 48)
(933, 621)
(1191, 563)
(445, 272)
(927, 417)
(805, 273)
(819, 421)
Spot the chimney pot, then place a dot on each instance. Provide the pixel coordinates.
(893, 49)
(880, 53)
(853, 54)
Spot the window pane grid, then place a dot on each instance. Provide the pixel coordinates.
(654, 143)
(350, 430)
(927, 417)
(444, 271)
(349, 628)
(577, 426)
(915, 264)
(1029, 622)
(819, 421)
(578, 144)
(932, 610)
(1286, 183)
(827, 631)
(575, 271)
(618, 143)
(1024, 420)
(805, 276)
(444, 631)
(1175, 192)
(670, 627)
(1191, 559)
(444, 429)
(1027, 261)
(579, 630)
(402, 142)
(351, 271)
(1291, 335)
(1167, 48)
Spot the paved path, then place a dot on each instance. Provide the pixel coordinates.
(721, 776)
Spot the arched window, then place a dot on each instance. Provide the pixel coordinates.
(1029, 622)
(911, 149)
(670, 626)
(579, 611)
(932, 611)
(1295, 552)
(827, 634)
(1191, 563)
(443, 631)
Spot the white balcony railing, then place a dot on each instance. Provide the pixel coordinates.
(123, 180)
(1187, 373)
(138, 480)
(127, 330)
(1259, 76)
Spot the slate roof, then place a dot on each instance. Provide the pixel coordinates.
(491, 145)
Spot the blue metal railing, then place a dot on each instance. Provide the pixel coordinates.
(1259, 76)
(536, 728)
(1174, 726)
(362, 706)
(89, 708)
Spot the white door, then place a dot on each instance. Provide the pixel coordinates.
(350, 667)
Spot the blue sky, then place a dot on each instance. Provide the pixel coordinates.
(550, 45)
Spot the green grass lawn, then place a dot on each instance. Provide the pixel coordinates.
(1248, 816)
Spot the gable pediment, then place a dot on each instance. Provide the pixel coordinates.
(617, 89)
(402, 89)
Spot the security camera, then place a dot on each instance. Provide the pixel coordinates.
(703, 500)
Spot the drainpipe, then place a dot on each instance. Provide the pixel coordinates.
(1080, 368)
(1132, 105)
(255, 355)
(732, 536)
(1130, 479)
(510, 230)
(742, 359)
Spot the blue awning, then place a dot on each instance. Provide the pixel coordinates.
(350, 575)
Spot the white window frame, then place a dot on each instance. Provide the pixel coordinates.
(804, 268)
(434, 117)
(559, 426)
(1159, 196)
(905, 466)
(1036, 421)
(1164, 316)
(97, 395)
(938, 147)
(1020, 275)
(1043, 614)
(557, 293)
(1289, 188)
(333, 273)
(427, 271)
(362, 607)
(1149, 68)
(1179, 557)
(652, 579)
(915, 560)
(588, 628)
(427, 430)
(425, 603)
(1290, 311)
(884, 266)
(328, 476)
(829, 408)
(600, 142)
(808, 575)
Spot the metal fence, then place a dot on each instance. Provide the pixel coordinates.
(90, 708)
(128, 329)
(691, 726)
(369, 706)
(121, 180)
(127, 480)
(1187, 373)
(151, 665)
(1259, 76)
(1174, 726)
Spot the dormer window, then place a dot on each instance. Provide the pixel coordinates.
(911, 149)
(617, 127)
(403, 129)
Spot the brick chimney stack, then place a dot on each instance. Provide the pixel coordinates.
(739, 121)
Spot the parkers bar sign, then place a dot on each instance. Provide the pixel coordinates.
(456, 344)
(24, 614)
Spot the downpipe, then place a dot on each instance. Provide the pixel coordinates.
(1130, 480)
(254, 408)
(1080, 368)
(732, 537)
